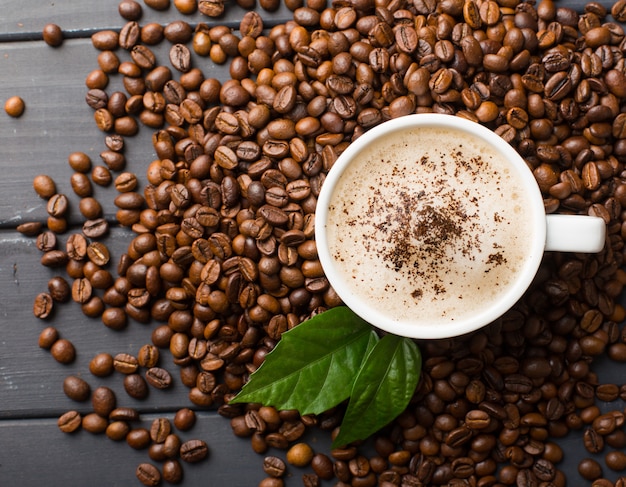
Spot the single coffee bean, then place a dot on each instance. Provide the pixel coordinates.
(147, 473)
(76, 388)
(96, 228)
(589, 469)
(82, 290)
(184, 419)
(63, 351)
(46, 241)
(114, 318)
(136, 386)
(59, 289)
(105, 40)
(124, 414)
(158, 378)
(618, 11)
(148, 356)
(274, 466)
(52, 35)
(138, 438)
(160, 429)
(180, 57)
(125, 363)
(300, 455)
(101, 365)
(129, 35)
(30, 229)
(616, 460)
(69, 422)
(126, 182)
(94, 423)
(192, 451)
(117, 430)
(44, 186)
(103, 401)
(322, 465)
(172, 471)
(48, 337)
(14, 106)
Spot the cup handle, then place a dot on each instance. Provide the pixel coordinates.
(575, 233)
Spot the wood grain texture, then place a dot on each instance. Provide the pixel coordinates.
(22, 20)
(57, 121)
(35, 449)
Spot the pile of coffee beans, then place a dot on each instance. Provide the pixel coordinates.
(224, 256)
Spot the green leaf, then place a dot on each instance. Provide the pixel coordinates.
(382, 390)
(313, 365)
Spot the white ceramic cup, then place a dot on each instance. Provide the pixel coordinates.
(569, 233)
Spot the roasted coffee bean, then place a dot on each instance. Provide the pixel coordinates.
(148, 474)
(96, 228)
(274, 466)
(103, 401)
(48, 337)
(160, 429)
(125, 363)
(101, 365)
(69, 422)
(76, 388)
(158, 378)
(615, 460)
(44, 186)
(172, 471)
(193, 451)
(59, 289)
(180, 57)
(148, 356)
(52, 35)
(136, 386)
(184, 419)
(589, 469)
(300, 455)
(63, 351)
(14, 106)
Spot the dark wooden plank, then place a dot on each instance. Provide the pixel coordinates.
(30, 374)
(77, 18)
(32, 448)
(35, 449)
(57, 121)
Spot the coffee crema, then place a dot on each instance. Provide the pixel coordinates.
(430, 225)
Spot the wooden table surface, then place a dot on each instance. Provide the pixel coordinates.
(56, 122)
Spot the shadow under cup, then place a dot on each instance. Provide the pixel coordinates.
(430, 226)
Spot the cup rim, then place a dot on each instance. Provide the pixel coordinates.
(367, 310)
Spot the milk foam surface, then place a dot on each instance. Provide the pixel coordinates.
(430, 225)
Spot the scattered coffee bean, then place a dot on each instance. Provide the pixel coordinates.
(101, 365)
(63, 351)
(69, 422)
(44, 186)
(103, 401)
(52, 35)
(94, 423)
(48, 337)
(76, 388)
(300, 455)
(138, 438)
(148, 474)
(14, 106)
(184, 419)
(193, 451)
